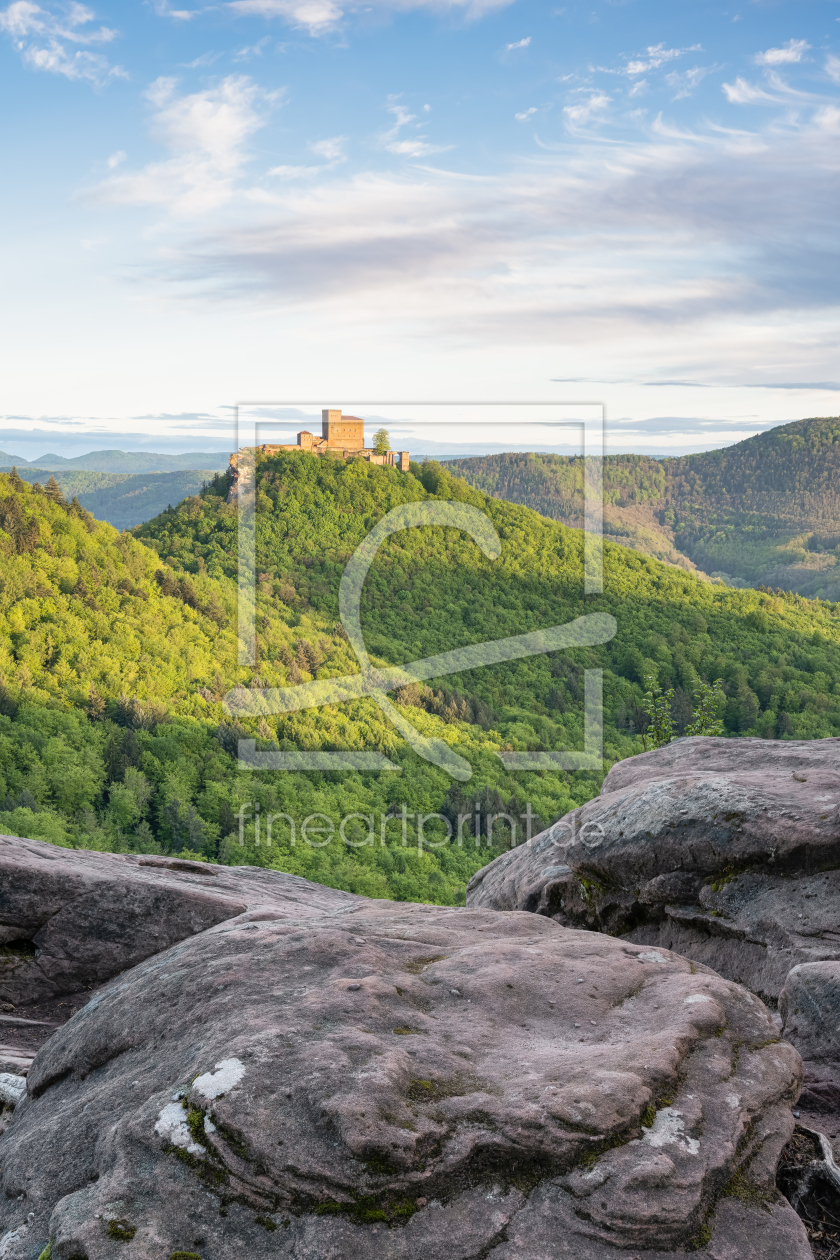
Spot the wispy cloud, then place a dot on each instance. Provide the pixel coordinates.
(253, 50)
(657, 55)
(521, 43)
(407, 146)
(526, 113)
(206, 59)
(321, 16)
(332, 149)
(678, 248)
(743, 93)
(582, 111)
(686, 82)
(832, 67)
(793, 51)
(315, 16)
(207, 134)
(163, 8)
(59, 43)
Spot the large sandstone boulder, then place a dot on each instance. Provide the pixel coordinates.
(72, 919)
(363, 1080)
(810, 1008)
(724, 850)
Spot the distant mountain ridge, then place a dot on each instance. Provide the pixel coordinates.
(122, 461)
(765, 511)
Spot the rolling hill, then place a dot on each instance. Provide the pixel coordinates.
(116, 651)
(764, 512)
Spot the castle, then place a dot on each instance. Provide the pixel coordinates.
(342, 436)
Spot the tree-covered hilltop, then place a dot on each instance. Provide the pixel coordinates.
(765, 511)
(116, 651)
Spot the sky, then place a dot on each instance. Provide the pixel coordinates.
(406, 201)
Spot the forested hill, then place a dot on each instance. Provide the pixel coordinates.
(765, 511)
(116, 651)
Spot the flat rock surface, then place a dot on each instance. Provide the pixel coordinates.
(364, 1079)
(725, 850)
(71, 919)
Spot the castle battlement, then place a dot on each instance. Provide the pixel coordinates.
(341, 435)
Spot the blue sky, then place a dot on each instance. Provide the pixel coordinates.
(298, 199)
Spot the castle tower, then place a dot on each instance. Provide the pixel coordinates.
(343, 432)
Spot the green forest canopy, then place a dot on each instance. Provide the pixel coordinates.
(117, 649)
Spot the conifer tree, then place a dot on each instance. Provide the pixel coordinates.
(54, 491)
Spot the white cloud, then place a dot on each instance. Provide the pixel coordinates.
(318, 16)
(526, 113)
(314, 15)
(828, 118)
(295, 172)
(792, 51)
(522, 43)
(332, 149)
(584, 110)
(686, 82)
(57, 43)
(198, 63)
(164, 9)
(657, 55)
(207, 134)
(641, 240)
(417, 146)
(253, 50)
(116, 159)
(832, 67)
(743, 93)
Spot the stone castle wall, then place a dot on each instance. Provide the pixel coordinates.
(341, 436)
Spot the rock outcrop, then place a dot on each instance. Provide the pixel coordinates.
(322, 1077)
(70, 919)
(726, 851)
(810, 1009)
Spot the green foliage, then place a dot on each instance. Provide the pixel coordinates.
(709, 698)
(657, 705)
(381, 441)
(117, 651)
